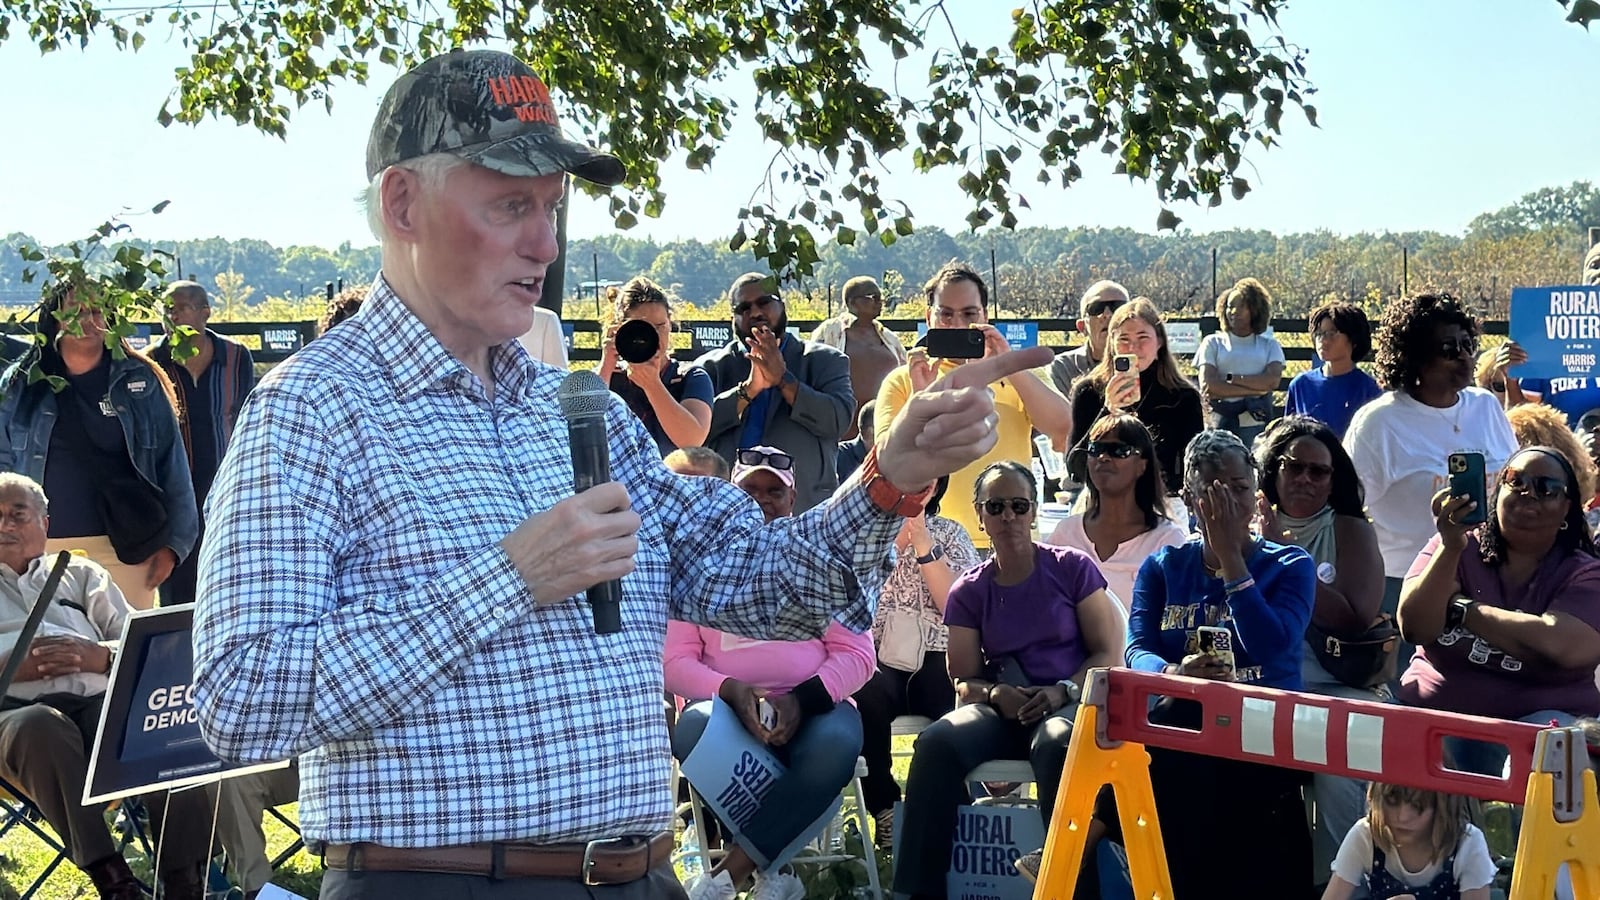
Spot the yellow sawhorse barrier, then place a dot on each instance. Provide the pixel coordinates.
(1093, 763)
(1561, 821)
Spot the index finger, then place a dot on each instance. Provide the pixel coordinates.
(981, 372)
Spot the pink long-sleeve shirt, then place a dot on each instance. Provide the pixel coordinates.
(698, 659)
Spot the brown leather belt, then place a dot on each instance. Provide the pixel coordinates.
(606, 861)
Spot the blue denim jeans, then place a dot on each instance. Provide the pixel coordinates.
(821, 760)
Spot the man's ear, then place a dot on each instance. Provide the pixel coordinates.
(400, 192)
(1083, 327)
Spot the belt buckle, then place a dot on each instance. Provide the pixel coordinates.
(588, 858)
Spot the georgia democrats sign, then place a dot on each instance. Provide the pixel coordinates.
(149, 736)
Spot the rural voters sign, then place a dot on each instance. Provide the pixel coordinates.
(1560, 329)
(149, 737)
(732, 772)
(987, 843)
(1020, 335)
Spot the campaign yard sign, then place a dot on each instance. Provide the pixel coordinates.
(1020, 335)
(987, 843)
(1560, 329)
(733, 772)
(149, 736)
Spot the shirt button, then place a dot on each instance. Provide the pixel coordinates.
(502, 613)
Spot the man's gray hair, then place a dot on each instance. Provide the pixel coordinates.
(33, 489)
(193, 290)
(431, 170)
(1104, 285)
(1207, 450)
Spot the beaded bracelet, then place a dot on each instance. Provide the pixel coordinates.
(1234, 587)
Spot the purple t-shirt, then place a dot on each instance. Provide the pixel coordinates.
(1035, 621)
(1461, 672)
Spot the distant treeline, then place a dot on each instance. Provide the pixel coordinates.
(1039, 271)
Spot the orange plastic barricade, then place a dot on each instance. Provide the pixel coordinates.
(1313, 733)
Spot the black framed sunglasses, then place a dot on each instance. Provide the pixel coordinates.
(1102, 308)
(1298, 468)
(1455, 348)
(1113, 449)
(997, 506)
(780, 461)
(1540, 487)
(744, 306)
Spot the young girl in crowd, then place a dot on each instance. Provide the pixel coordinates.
(1416, 844)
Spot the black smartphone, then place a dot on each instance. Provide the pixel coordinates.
(954, 343)
(1467, 479)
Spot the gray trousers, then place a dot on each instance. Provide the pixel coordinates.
(660, 884)
(244, 800)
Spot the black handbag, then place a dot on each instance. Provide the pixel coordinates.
(1363, 661)
(135, 515)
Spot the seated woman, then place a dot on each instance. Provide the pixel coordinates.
(1262, 594)
(816, 733)
(1125, 519)
(1506, 614)
(1311, 498)
(1025, 628)
(911, 679)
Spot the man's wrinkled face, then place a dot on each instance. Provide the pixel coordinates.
(23, 527)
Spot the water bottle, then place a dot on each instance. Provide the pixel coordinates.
(690, 853)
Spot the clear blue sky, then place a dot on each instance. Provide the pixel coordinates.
(1432, 111)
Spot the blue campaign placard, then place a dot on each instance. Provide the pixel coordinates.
(1560, 329)
(732, 772)
(1019, 335)
(149, 736)
(567, 330)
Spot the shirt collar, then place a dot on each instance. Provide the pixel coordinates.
(416, 362)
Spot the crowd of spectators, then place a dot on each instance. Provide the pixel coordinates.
(1329, 521)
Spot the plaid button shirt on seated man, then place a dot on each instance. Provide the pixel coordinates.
(389, 585)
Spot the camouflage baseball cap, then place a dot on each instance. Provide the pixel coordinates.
(486, 107)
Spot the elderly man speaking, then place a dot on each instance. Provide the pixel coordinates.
(391, 585)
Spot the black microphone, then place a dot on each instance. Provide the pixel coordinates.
(584, 398)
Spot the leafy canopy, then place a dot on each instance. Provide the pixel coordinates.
(1174, 90)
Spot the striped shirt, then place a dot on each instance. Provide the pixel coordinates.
(357, 609)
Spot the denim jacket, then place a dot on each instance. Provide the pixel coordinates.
(149, 426)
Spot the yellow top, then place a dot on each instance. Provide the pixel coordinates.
(1016, 441)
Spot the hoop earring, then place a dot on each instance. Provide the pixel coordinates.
(1564, 524)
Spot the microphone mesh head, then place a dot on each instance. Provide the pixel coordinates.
(583, 394)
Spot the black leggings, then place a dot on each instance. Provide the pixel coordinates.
(890, 693)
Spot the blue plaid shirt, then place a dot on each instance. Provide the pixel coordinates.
(357, 609)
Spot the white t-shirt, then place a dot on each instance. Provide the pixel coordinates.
(1399, 447)
(1236, 355)
(1123, 565)
(1473, 867)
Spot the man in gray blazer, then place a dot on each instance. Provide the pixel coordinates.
(777, 390)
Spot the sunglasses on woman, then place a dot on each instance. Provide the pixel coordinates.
(1112, 449)
(1019, 506)
(1455, 348)
(1540, 487)
(780, 461)
(1295, 468)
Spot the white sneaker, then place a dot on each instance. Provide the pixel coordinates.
(708, 887)
(777, 886)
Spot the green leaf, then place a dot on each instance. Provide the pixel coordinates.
(1167, 220)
